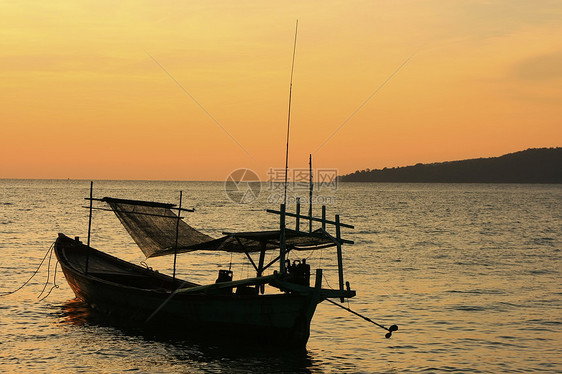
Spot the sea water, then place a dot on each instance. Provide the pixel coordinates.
(470, 273)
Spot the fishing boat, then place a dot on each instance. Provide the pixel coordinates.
(226, 309)
(274, 307)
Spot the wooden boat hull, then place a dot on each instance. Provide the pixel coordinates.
(139, 296)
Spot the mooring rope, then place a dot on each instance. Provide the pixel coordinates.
(34, 273)
(55, 285)
(326, 279)
(48, 275)
(389, 329)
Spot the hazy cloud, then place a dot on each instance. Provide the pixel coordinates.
(543, 67)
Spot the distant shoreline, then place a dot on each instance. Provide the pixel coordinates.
(484, 183)
(87, 181)
(532, 166)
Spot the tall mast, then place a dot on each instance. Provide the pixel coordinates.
(289, 113)
(283, 246)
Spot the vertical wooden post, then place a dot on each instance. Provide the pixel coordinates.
(89, 225)
(323, 217)
(282, 247)
(263, 247)
(177, 237)
(298, 213)
(318, 281)
(340, 259)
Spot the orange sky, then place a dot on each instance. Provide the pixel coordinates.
(82, 98)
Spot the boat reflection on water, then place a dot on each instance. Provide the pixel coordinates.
(76, 312)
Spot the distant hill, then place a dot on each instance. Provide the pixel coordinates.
(535, 165)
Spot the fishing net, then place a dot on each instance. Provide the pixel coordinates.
(153, 227)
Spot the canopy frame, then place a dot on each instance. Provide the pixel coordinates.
(284, 239)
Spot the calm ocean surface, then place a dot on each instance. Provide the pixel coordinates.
(470, 273)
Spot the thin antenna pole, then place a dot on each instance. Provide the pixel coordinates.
(89, 225)
(289, 114)
(310, 194)
(177, 235)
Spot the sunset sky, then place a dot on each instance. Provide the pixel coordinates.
(91, 89)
